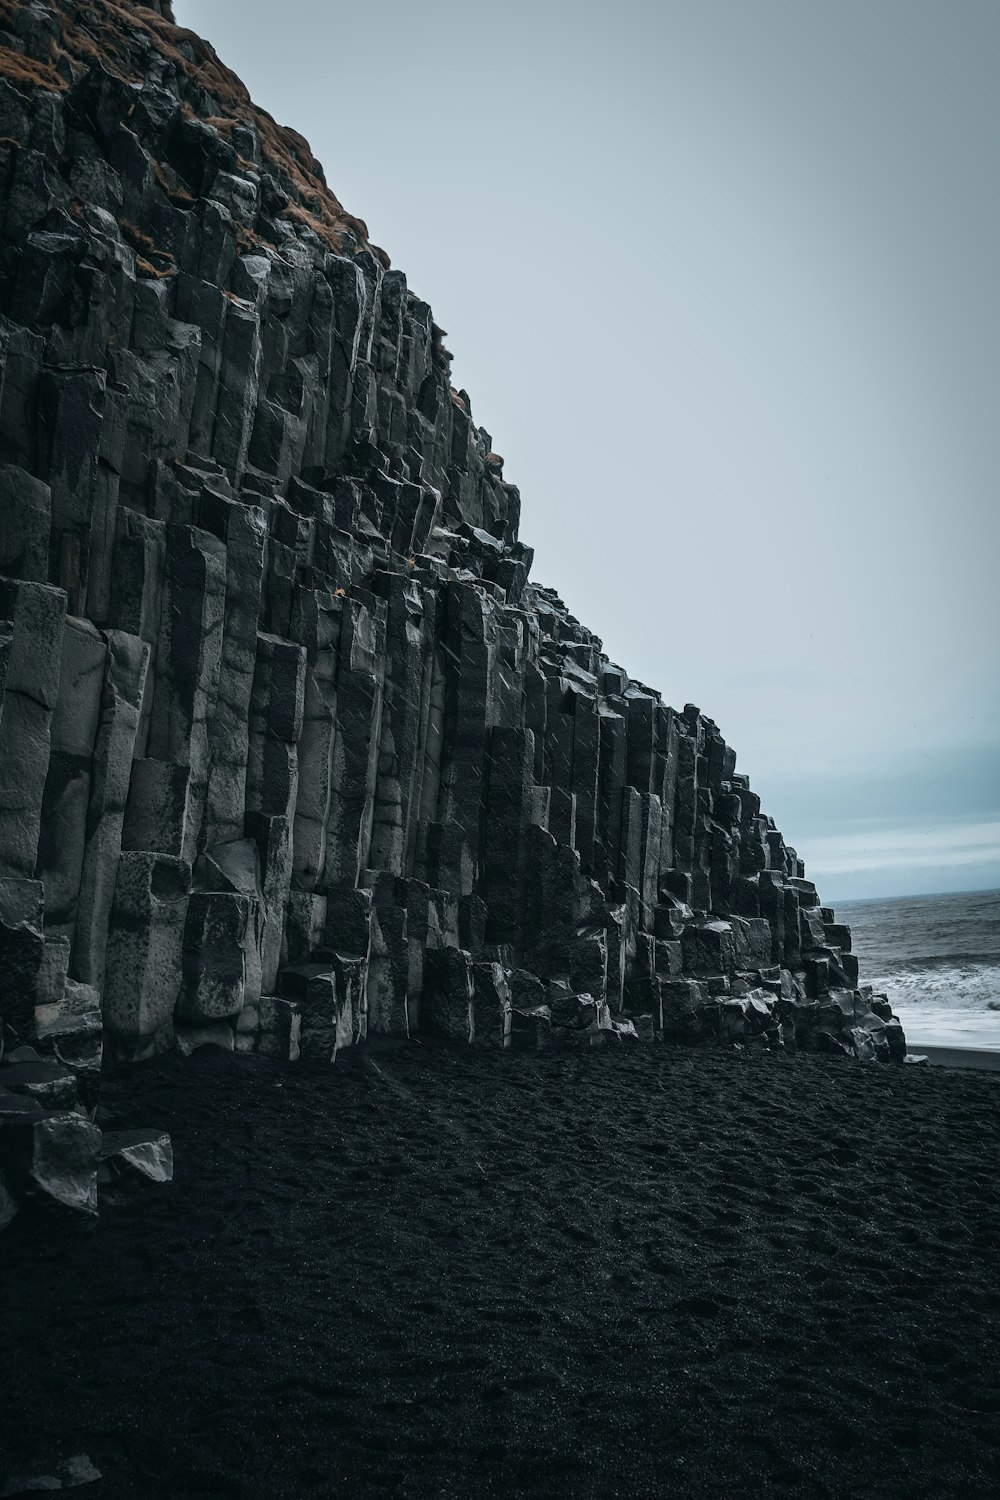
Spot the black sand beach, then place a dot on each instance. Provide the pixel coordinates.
(438, 1272)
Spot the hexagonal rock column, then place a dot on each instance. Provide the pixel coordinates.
(31, 633)
(145, 949)
(214, 963)
(447, 1002)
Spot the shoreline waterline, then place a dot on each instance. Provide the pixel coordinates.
(987, 1059)
(937, 958)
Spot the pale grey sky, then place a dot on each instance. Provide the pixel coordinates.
(720, 277)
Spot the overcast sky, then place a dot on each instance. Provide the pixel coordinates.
(720, 277)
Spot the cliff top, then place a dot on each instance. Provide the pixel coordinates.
(129, 42)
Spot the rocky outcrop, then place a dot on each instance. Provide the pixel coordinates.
(291, 749)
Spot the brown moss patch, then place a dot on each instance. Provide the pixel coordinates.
(113, 31)
(175, 191)
(150, 259)
(146, 268)
(248, 242)
(116, 36)
(25, 73)
(219, 122)
(135, 236)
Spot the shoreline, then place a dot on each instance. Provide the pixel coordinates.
(936, 957)
(985, 1059)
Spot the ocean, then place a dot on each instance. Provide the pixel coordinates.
(938, 960)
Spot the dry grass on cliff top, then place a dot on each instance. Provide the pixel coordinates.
(115, 36)
(647, 1272)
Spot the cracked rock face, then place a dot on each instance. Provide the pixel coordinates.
(291, 750)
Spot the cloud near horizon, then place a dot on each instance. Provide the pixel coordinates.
(922, 822)
(866, 859)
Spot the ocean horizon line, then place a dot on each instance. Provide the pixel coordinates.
(978, 890)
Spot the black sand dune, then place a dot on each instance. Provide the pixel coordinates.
(435, 1272)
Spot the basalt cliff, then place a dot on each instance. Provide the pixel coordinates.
(291, 749)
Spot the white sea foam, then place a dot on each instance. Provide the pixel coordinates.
(955, 986)
(946, 1005)
(938, 960)
(939, 1026)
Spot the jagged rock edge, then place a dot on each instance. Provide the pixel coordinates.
(291, 749)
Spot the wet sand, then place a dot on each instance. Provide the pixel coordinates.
(961, 1057)
(639, 1272)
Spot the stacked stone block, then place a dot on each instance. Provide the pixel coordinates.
(291, 750)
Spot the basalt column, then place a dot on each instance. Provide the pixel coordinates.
(291, 748)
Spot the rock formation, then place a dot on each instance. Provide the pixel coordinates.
(291, 750)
